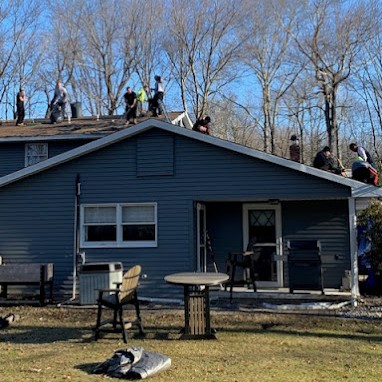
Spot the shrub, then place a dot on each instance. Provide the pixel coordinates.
(371, 218)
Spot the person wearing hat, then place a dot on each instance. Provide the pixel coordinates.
(203, 125)
(324, 161)
(20, 107)
(294, 149)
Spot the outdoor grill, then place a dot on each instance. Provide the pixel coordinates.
(304, 265)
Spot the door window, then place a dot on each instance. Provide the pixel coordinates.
(262, 235)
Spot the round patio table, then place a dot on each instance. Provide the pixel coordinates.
(197, 319)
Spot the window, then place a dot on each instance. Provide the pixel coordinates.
(35, 153)
(119, 225)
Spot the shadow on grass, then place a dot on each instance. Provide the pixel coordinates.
(275, 329)
(20, 334)
(86, 367)
(43, 335)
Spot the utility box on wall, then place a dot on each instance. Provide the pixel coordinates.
(95, 276)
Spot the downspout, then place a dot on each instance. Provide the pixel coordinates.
(76, 241)
(353, 251)
(76, 249)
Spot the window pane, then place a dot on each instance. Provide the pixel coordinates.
(261, 225)
(100, 215)
(142, 232)
(35, 153)
(138, 214)
(101, 233)
(37, 149)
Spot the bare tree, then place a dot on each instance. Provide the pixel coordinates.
(304, 117)
(330, 35)
(367, 85)
(201, 47)
(235, 122)
(149, 35)
(18, 22)
(108, 52)
(268, 55)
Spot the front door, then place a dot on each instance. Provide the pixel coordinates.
(262, 234)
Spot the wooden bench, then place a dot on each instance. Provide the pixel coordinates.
(27, 274)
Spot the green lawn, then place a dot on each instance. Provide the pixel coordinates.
(56, 344)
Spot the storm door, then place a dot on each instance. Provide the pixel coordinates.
(262, 234)
(201, 238)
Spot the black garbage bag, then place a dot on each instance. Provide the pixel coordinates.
(56, 114)
(133, 363)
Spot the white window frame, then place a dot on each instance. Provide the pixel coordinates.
(119, 243)
(41, 157)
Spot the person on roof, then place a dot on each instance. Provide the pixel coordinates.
(131, 106)
(362, 153)
(364, 172)
(141, 99)
(203, 125)
(156, 103)
(294, 149)
(60, 104)
(324, 161)
(20, 107)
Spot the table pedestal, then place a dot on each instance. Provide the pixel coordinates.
(197, 313)
(197, 319)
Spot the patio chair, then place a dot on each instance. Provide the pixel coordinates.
(117, 300)
(244, 261)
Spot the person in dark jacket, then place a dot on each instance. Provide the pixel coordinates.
(294, 149)
(324, 161)
(202, 125)
(20, 105)
(131, 106)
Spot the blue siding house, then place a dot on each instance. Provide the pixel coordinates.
(149, 193)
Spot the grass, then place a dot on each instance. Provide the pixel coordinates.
(56, 344)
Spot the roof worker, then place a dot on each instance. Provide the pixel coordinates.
(131, 106)
(142, 97)
(294, 149)
(20, 105)
(156, 104)
(203, 125)
(364, 172)
(324, 161)
(60, 104)
(363, 154)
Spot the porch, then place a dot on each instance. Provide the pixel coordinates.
(267, 230)
(278, 296)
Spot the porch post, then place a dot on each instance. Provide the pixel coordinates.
(353, 251)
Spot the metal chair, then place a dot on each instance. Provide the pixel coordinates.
(244, 261)
(117, 300)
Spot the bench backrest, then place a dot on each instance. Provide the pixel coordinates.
(28, 272)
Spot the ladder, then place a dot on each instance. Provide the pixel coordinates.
(162, 107)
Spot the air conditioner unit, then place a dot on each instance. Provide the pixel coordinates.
(95, 276)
